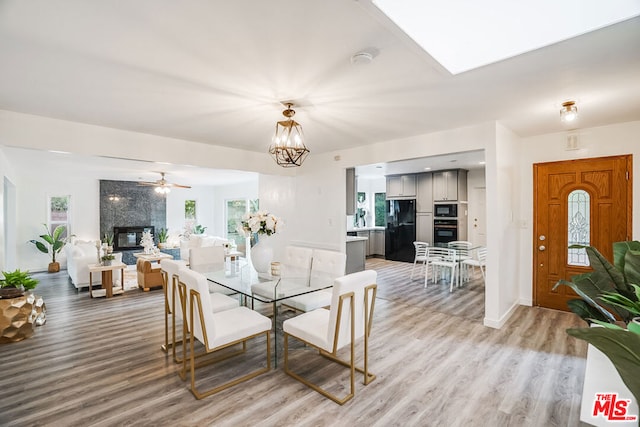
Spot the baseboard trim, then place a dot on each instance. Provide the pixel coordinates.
(498, 324)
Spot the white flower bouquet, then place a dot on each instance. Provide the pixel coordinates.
(259, 223)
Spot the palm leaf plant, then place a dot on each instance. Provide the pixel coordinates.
(52, 243)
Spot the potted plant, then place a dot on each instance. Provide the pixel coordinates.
(106, 259)
(14, 283)
(108, 240)
(163, 235)
(53, 243)
(610, 297)
(199, 229)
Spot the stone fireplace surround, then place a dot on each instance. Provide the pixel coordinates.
(127, 204)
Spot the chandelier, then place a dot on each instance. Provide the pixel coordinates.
(287, 147)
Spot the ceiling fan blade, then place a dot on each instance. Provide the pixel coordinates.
(147, 183)
(180, 186)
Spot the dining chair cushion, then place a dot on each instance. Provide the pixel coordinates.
(311, 327)
(226, 326)
(222, 302)
(311, 301)
(318, 327)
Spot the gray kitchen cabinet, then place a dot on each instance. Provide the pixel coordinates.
(450, 185)
(401, 186)
(424, 193)
(377, 242)
(355, 256)
(424, 227)
(367, 243)
(351, 191)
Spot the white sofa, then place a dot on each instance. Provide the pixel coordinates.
(79, 255)
(199, 241)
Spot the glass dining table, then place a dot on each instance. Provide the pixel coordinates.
(240, 277)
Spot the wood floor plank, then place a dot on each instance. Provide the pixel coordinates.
(97, 362)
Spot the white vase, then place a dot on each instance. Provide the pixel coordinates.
(261, 256)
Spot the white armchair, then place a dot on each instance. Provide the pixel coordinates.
(79, 255)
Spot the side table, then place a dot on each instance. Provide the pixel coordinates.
(107, 278)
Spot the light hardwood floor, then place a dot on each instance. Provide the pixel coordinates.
(98, 363)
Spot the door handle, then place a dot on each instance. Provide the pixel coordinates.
(541, 248)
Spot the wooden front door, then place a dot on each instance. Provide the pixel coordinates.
(577, 201)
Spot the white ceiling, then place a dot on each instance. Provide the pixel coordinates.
(93, 167)
(215, 71)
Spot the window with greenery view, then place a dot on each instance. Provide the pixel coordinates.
(190, 210)
(235, 209)
(59, 214)
(379, 207)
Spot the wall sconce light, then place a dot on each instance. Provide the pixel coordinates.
(569, 111)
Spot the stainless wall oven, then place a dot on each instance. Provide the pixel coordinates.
(444, 231)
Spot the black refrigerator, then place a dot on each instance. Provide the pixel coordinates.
(400, 230)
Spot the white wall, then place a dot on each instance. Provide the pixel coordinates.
(6, 172)
(602, 141)
(502, 179)
(205, 209)
(278, 196)
(245, 190)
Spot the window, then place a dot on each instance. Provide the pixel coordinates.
(579, 226)
(379, 204)
(236, 208)
(189, 214)
(58, 208)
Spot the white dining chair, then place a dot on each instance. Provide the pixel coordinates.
(170, 269)
(463, 253)
(217, 330)
(329, 330)
(209, 258)
(447, 262)
(296, 263)
(326, 266)
(480, 260)
(189, 279)
(420, 256)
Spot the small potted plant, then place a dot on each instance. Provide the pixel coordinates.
(199, 229)
(53, 243)
(108, 240)
(15, 283)
(163, 235)
(106, 259)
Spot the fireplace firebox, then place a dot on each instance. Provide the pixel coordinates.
(128, 238)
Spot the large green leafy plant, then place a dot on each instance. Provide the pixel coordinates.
(606, 279)
(609, 293)
(16, 279)
(51, 243)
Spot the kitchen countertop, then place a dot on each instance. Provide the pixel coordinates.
(364, 229)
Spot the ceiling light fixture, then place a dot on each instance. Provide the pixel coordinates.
(287, 147)
(569, 111)
(162, 189)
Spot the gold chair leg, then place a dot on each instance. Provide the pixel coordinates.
(202, 394)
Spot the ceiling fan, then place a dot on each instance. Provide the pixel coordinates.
(162, 185)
